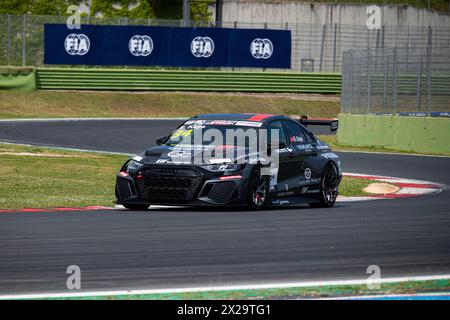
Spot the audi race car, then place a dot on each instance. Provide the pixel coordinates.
(253, 160)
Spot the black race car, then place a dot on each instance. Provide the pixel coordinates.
(255, 160)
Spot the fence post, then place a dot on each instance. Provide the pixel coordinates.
(187, 13)
(419, 85)
(429, 47)
(9, 38)
(324, 30)
(369, 89)
(394, 82)
(286, 26)
(24, 41)
(430, 38)
(429, 81)
(265, 27)
(334, 47)
(234, 26)
(378, 39)
(350, 81)
(386, 71)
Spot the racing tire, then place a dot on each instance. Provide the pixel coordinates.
(136, 207)
(258, 190)
(328, 187)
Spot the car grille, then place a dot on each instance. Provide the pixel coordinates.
(174, 187)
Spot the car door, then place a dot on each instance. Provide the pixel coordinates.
(280, 168)
(303, 150)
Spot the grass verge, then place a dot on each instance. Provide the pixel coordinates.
(36, 177)
(336, 146)
(292, 293)
(43, 178)
(82, 104)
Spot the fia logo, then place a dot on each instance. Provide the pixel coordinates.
(261, 48)
(77, 44)
(140, 46)
(202, 47)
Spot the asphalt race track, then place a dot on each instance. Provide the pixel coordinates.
(162, 248)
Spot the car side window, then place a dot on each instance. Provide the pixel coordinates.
(295, 133)
(309, 136)
(276, 125)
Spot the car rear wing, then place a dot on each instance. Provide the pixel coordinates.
(333, 122)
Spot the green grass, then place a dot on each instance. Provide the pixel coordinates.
(82, 104)
(71, 179)
(293, 293)
(353, 187)
(35, 177)
(336, 146)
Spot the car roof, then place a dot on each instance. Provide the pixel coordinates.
(257, 117)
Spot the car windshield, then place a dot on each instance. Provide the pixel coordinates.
(215, 132)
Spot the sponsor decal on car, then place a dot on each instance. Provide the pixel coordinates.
(179, 154)
(308, 173)
(280, 202)
(296, 139)
(248, 124)
(308, 182)
(219, 161)
(237, 123)
(329, 155)
(302, 147)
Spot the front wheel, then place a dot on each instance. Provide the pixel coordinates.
(258, 190)
(328, 187)
(136, 207)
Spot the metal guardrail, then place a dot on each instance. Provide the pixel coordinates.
(186, 80)
(398, 81)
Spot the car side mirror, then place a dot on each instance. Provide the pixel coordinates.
(161, 140)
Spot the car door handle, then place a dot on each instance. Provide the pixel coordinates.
(291, 155)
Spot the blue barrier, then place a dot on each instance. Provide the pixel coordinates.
(167, 46)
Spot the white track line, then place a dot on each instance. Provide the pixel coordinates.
(279, 285)
(393, 153)
(384, 296)
(64, 148)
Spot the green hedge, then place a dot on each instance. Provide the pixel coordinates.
(18, 78)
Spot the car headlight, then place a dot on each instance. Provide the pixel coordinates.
(221, 167)
(133, 166)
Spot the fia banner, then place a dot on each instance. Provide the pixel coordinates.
(167, 46)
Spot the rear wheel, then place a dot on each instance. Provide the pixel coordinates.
(136, 207)
(328, 187)
(258, 189)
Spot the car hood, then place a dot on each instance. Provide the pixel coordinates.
(195, 154)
